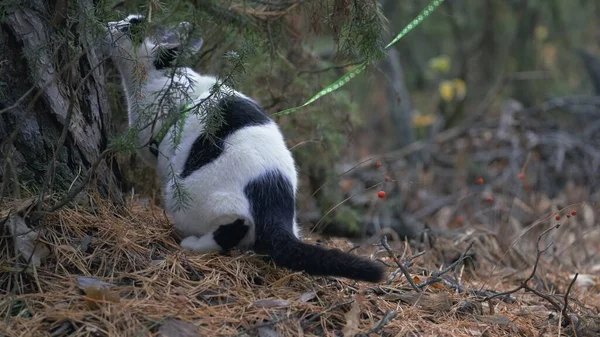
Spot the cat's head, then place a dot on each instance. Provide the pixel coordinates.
(133, 39)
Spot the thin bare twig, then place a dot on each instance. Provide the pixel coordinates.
(75, 191)
(387, 318)
(400, 265)
(566, 304)
(524, 284)
(436, 277)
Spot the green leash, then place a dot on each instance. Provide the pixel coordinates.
(351, 74)
(327, 90)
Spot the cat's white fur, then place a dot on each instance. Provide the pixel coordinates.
(217, 188)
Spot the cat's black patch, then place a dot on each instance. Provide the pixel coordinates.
(271, 198)
(237, 113)
(229, 235)
(165, 57)
(153, 147)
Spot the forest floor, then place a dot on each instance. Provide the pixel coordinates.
(112, 272)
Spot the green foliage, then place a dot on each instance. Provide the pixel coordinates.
(363, 32)
(265, 59)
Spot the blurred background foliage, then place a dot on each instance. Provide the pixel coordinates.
(466, 61)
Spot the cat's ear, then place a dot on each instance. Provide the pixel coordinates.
(173, 42)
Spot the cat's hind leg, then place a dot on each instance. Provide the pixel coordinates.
(224, 238)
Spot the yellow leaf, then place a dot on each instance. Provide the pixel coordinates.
(420, 120)
(353, 317)
(440, 64)
(541, 33)
(460, 88)
(446, 90)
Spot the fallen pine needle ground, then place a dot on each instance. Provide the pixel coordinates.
(109, 273)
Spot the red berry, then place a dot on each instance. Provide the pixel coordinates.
(489, 199)
(521, 176)
(459, 220)
(573, 213)
(381, 194)
(557, 218)
(480, 181)
(378, 164)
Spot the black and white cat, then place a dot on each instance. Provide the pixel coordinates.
(243, 185)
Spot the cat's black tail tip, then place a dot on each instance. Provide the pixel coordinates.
(289, 252)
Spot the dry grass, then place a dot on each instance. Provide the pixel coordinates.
(158, 287)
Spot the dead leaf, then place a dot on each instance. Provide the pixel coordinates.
(95, 294)
(176, 328)
(307, 296)
(19, 206)
(26, 241)
(544, 203)
(270, 303)
(586, 280)
(85, 282)
(353, 318)
(346, 185)
(439, 286)
(588, 216)
(85, 243)
(443, 217)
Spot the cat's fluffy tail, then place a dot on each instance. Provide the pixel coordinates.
(289, 252)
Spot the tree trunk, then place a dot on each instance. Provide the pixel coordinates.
(50, 76)
(399, 101)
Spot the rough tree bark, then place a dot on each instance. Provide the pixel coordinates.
(45, 74)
